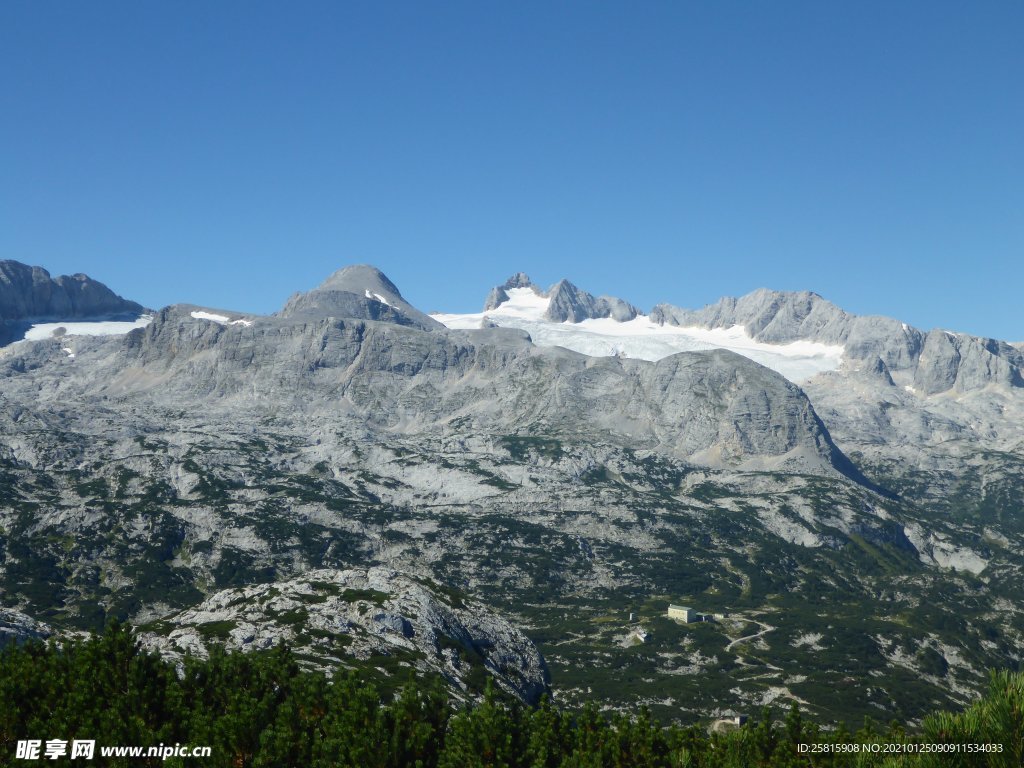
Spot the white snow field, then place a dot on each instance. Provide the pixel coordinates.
(376, 297)
(41, 331)
(221, 319)
(643, 339)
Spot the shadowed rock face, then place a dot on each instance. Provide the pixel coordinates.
(359, 291)
(29, 293)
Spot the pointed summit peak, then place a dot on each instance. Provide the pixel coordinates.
(499, 294)
(357, 278)
(570, 304)
(360, 291)
(518, 280)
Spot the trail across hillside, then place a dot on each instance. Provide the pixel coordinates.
(766, 629)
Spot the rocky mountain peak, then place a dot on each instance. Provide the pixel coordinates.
(361, 277)
(518, 280)
(29, 293)
(359, 291)
(567, 303)
(499, 293)
(768, 315)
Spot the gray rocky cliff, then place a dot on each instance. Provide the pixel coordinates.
(965, 363)
(382, 496)
(569, 303)
(714, 407)
(29, 293)
(499, 295)
(495, 298)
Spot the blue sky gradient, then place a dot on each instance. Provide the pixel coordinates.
(231, 153)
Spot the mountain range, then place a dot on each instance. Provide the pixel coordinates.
(522, 492)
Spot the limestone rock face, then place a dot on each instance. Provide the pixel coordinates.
(617, 309)
(965, 363)
(896, 344)
(880, 370)
(938, 365)
(495, 298)
(569, 303)
(334, 617)
(713, 407)
(16, 627)
(29, 293)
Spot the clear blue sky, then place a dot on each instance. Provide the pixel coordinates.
(230, 153)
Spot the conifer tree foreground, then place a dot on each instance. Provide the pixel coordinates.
(262, 709)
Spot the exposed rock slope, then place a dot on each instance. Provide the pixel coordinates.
(374, 615)
(713, 408)
(16, 627)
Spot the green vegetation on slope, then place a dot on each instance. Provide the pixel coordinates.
(261, 709)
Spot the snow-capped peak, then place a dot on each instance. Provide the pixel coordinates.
(524, 303)
(527, 308)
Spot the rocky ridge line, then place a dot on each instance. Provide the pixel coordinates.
(567, 302)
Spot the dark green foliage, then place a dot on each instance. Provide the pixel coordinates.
(238, 568)
(932, 662)
(261, 709)
(370, 595)
(103, 688)
(520, 446)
